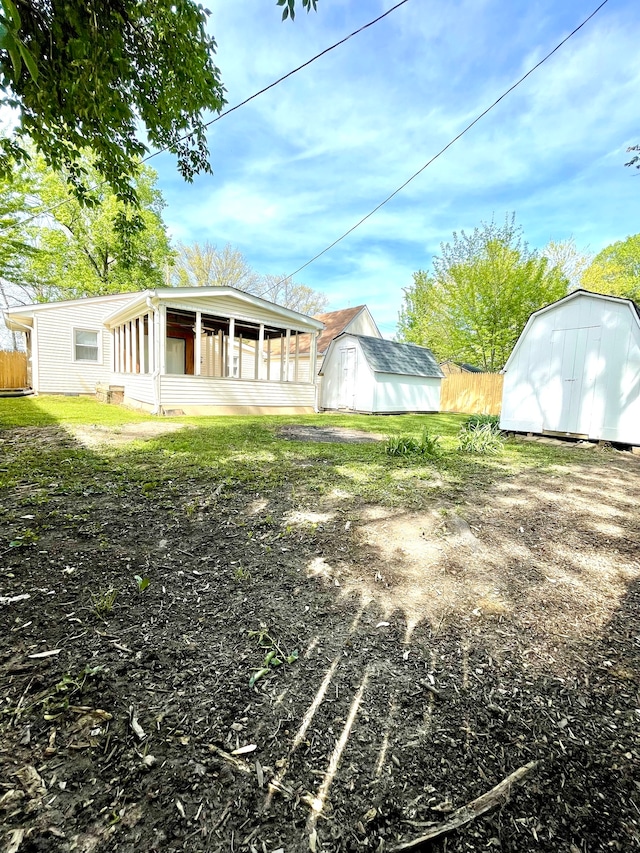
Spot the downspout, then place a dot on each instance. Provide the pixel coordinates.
(29, 330)
(152, 305)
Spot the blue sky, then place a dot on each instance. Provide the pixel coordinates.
(301, 164)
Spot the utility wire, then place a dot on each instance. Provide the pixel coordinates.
(224, 113)
(447, 146)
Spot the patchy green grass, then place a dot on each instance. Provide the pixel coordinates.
(244, 452)
(58, 409)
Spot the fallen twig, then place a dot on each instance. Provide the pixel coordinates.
(495, 797)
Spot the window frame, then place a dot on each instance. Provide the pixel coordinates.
(75, 345)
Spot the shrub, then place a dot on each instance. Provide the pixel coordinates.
(483, 438)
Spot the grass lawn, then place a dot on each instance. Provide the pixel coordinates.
(249, 451)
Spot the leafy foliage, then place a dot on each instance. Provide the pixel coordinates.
(96, 70)
(106, 247)
(84, 74)
(476, 301)
(616, 270)
(289, 7)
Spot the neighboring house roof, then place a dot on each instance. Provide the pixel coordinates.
(391, 357)
(463, 365)
(579, 293)
(335, 322)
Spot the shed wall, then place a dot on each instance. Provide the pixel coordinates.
(395, 393)
(576, 370)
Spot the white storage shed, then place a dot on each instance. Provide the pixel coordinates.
(575, 370)
(376, 376)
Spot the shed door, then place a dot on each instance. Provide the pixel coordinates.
(574, 358)
(347, 378)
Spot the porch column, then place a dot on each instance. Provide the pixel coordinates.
(268, 359)
(134, 346)
(259, 349)
(286, 357)
(297, 359)
(221, 351)
(143, 366)
(121, 366)
(197, 367)
(114, 354)
(313, 367)
(127, 347)
(230, 346)
(282, 340)
(239, 356)
(162, 340)
(151, 344)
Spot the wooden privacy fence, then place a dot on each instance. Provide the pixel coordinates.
(13, 370)
(472, 393)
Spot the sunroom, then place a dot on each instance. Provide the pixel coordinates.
(211, 350)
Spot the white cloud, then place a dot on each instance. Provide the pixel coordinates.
(301, 164)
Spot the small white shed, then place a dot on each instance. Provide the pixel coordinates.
(376, 376)
(575, 370)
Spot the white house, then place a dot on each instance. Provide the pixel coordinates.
(203, 350)
(575, 370)
(369, 374)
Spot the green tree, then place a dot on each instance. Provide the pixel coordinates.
(616, 270)
(479, 295)
(84, 250)
(84, 74)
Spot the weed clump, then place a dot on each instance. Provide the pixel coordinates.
(407, 446)
(481, 434)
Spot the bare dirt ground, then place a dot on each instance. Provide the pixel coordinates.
(430, 655)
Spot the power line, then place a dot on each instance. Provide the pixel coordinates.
(285, 76)
(222, 114)
(447, 146)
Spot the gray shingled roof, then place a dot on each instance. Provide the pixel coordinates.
(406, 359)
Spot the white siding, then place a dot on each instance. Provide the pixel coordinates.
(576, 370)
(394, 393)
(180, 392)
(57, 371)
(137, 387)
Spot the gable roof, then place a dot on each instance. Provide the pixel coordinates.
(579, 293)
(392, 357)
(128, 305)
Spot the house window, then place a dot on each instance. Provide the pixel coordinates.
(85, 345)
